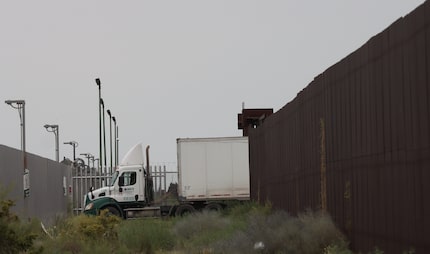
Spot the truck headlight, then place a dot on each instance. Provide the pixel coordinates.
(89, 206)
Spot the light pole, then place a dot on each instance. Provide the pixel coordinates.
(54, 128)
(74, 144)
(104, 133)
(110, 138)
(93, 159)
(100, 122)
(96, 159)
(88, 156)
(114, 130)
(20, 105)
(117, 144)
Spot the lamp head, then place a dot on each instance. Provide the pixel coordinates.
(108, 112)
(87, 155)
(73, 143)
(18, 102)
(98, 82)
(51, 127)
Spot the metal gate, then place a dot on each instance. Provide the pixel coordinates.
(84, 177)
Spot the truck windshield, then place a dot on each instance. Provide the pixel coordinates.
(114, 177)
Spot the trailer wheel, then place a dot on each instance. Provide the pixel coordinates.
(113, 211)
(184, 209)
(213, 207)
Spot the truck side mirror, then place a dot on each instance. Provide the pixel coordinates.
(91, 191)
(121, 181)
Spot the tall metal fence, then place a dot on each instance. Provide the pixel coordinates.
(163, 176)
(84, 177)
(49, 182)
(356, 142)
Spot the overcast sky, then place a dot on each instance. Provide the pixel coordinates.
(169, 69)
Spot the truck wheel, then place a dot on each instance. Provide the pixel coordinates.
(213, 207)
(184, 210)
(113, 211)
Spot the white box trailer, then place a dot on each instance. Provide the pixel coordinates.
(213, 169)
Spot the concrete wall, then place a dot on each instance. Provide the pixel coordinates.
(48, 198)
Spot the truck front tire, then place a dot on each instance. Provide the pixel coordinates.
(113, 211)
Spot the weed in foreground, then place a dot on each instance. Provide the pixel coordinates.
(196, 232)
(280, 233)
(337, 249)
(15, 236)
(83, 234)
(243, 210)
(146, 235)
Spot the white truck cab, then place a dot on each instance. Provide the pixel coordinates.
(127, 188)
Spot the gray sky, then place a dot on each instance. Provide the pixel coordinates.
(169, 69)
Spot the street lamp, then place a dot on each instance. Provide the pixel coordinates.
(74, 144)
(100, 121)
(96, 159)
(54, 128)
(93, 159)
(20, 105)
(110, 138)
(88, 156)
(116, 149)
(104, 133)
(117, 144)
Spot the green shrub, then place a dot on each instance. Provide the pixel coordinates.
(92, 227)
(281, 233)
(198, 231)
(337, 249)
(242, 210)
(146, 235)
(246, 228)
(15, 236)
(83, 234)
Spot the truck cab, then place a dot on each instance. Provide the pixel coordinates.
(126, 189)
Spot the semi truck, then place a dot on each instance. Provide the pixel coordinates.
(212, 172)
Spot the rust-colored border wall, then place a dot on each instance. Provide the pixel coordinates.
(356, 141)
